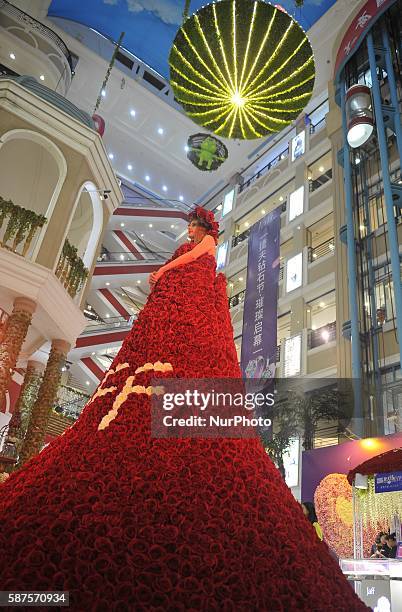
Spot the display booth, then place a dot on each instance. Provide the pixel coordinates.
(377, 500)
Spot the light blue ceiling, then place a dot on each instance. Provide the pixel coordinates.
(150, 25)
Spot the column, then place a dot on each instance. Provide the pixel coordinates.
(15, 334)
(45, 401)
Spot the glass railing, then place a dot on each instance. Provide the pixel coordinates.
(320, 180)
(322, 335)
(274, 162)
(110, 324)
(316, 127)
(70, 402)
(325, 248)
(142, 257)
(237, 299)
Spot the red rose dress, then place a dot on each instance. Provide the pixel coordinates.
(124, 521)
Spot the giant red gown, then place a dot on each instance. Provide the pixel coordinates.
(124, 521)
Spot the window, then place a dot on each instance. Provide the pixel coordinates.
(292, 356)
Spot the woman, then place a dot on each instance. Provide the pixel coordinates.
(125, 521)
(310, 514)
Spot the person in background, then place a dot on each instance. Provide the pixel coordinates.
(309, 513)
(389, 549)
(376, 549)
(378, 543)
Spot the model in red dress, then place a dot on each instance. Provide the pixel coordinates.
(124, 521)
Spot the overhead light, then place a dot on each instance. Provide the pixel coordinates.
(103, 93)
(247, 224)
(111, 156)
(240, 278)
(107, 284)
(281, 199)
(310, 177)
(147, 177)
(164, 188)
(107, 315)
(299, 227)
(181, 198)
(132, 112)
(359, 114)
(314, 327)
(87, 382)
(321, 304)
(219, 207)
(150, 225)
(42, 77)
(121, 224)
(129, 167)
(321, 168)
(122, 257)
(142, 235)
(172, 226)
(263, 212)
(160, 131)
(12, 56)
(186, 148)
(138, 281)
(93, 353)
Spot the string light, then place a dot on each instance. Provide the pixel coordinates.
(242, 68)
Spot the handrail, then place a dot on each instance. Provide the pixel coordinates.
(109, 324)
(121, 256)
(274, 162)
(44, 30)
(325, 248)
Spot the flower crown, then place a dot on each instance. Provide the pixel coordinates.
(207, 216)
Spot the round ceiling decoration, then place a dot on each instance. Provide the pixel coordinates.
(242, 68)
(206, 152)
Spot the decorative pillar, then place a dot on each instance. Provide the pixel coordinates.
(14, 336)
(45, 401)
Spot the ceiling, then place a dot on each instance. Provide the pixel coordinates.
(151, 25)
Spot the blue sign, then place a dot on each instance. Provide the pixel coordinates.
(385, 483)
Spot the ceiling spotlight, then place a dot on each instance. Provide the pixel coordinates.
(181, 198)
(160, 131)
(240, 278)
(111, 156)
(129, 167)
(107, 284)
(103, 93)
(93, 353)
(87, 382)
(138, 281)
(12, 56)
(107, 315)
(247, 224)
(263, 211)
(281, 199)
(147, 177)
(121, 224)
(149, 225)
(219, 207)
(164, 188)
(321, 168)
(42, 77)
(122, 257)
(142, 235)
(172, 226)
(132, 112)
(321, 304)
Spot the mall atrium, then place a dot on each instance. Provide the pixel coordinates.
(100, 165)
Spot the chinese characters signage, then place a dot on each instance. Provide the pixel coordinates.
(385, 483)
(258, 353)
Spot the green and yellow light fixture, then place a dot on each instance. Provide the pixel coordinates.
(242, 68)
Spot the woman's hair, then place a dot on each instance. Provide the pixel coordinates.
(206, 219)
(312, 517)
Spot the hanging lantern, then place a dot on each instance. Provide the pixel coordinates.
(242, 68)
(359, 115)
(206, 152)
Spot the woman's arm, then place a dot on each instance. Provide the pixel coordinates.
(207, 245)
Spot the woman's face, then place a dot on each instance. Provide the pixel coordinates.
(195, 231)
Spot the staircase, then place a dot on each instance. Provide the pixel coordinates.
(57, 424)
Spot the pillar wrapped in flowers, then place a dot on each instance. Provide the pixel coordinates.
(43, 405)
(22, 225)
(14, 336)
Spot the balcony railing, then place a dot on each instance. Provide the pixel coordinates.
(112, 323)
(322, 335)
(237, 299)
(325, 248)
(70, 402)
(240, 238)
(320, 180)
(274, 162)
(316, 127)
(71, 270)
(142, 257)
(20, 228)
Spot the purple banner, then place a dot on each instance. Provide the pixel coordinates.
(258, 350)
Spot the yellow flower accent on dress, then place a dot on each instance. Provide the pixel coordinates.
(158, 366)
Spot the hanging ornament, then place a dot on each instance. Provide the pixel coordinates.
(109, 70)
(242, 68)
(206, 152)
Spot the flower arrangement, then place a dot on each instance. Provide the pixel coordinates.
(242, 68)
(377, 508)
(71, 270)
(333, 504)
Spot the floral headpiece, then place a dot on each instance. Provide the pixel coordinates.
(207, 216)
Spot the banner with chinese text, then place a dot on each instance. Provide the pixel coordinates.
(258, 351)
